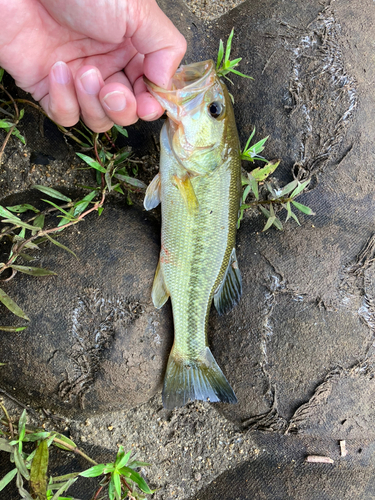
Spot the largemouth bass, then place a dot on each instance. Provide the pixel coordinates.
(199, 187)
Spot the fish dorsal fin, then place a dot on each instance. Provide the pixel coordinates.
(187, 192)
(152, 196)
(159, 292)
(229, 292)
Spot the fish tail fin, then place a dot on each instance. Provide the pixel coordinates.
(198, 379)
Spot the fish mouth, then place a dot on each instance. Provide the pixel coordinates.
(191, 78)
(188, 86)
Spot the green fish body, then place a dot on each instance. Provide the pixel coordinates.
(199, 187)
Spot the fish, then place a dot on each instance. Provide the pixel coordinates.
(199, 188)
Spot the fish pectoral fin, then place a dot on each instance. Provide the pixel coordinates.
(159, 292)
(152, 196)
(229, 291)
(199, 379)
(186, 189)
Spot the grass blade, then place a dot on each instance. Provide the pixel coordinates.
(33, 271)
(12, 306)
(58, 244)
(51, 192)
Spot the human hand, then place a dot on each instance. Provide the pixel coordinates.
(88, 58)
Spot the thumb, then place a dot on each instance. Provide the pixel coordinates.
(161, 43)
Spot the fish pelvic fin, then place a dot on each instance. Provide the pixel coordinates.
(152, 196)
(199, 379)
(229, 291)
(186, 189)
(159, 292)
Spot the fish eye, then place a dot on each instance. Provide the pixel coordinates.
(216, 109)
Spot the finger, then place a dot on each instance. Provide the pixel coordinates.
(119, 104)
(88, 83)
(61, 102)
(160, 41)
(147, 106)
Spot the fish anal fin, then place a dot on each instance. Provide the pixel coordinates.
(152, 196)
(229, 291)
(186, 189)
(159, 292)
(190, 380)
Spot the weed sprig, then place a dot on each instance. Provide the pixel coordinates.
(120, 478)
(279, 197)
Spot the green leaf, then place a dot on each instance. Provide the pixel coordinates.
(66, 220)
(5, 124)
(21, 490)
(60, 245)
(33, 271)
(22, 112)
(20, 464)
(288, 188)
(253, 185)
(66, 440)
(96, 470)
(117, 484)
(59, 209)
(121, 157)
(111, 489)
(36, 436)
(131, 181)
(5, 446)
(121, 130)
(80, 206)
(6, 213)
(7, 478)
(38, 472)
(39, 221)
(63, 488)
(301, 186)
(100, 210)
(1, 74)
(12, 328)
(122, 458)
(19, 222)
(52, 192)
(303, 208)
(137, 478)
(220, 55)
(22, 426)
(260, 174)
(229, 46)
(12, 306)
(19, 136)
(22, 208)
(91, 162)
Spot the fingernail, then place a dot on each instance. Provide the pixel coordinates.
(61, 73)
(90, 82)
(151, 116)
(115, 101)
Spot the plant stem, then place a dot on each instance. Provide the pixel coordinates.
(74, 449)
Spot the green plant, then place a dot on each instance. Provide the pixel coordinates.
(120, 478)
(223, 64)
(273, 196)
